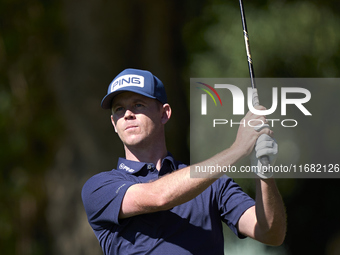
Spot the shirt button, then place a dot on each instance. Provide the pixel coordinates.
(149, 166)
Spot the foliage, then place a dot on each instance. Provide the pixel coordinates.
(299, 39)
(29, 124)
(287, 38)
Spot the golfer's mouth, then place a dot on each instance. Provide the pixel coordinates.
(130, 127)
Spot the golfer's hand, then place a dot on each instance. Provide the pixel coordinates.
(265, 145)
(247, 135)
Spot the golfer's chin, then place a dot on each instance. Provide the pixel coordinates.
(134, 140)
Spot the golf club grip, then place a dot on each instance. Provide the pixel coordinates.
(255, 98)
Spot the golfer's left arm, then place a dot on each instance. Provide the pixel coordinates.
(266, 221)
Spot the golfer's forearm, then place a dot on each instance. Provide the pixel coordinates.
(173, 189)
(270, 212)
(180, 187)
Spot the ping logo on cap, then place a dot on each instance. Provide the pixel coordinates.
(128, 80)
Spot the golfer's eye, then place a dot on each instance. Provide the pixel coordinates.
(119, 109)
(138, 105)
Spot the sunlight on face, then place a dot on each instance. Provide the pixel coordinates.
(137, 119)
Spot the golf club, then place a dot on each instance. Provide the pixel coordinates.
(264, 159)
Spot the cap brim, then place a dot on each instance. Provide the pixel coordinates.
(107, 100)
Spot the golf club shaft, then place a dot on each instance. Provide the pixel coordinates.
(246, 41)
(264, 159)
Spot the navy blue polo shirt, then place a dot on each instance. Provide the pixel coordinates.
(194, 227)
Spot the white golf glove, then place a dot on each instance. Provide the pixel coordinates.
(265, 145)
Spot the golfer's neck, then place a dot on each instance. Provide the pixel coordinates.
(150, 154)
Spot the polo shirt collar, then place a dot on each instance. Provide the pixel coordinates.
(133, 167)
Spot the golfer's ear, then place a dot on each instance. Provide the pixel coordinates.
(113, 123)
(166, 113)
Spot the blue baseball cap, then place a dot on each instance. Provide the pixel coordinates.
(137, 81)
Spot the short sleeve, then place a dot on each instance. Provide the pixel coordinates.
(102, 197)
(232, 202)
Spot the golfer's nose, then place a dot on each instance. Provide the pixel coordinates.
(129, 114)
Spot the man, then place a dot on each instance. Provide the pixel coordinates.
(150, 205)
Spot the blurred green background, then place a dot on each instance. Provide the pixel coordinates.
(57, 59)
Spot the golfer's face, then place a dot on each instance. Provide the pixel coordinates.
(136, 118)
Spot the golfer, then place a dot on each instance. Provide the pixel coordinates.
(150, 205)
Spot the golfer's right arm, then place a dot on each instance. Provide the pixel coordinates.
(178, 187)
